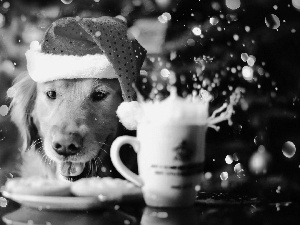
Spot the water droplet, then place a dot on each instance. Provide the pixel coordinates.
(231, 17)
(236, 37)
(162, 19)
(67, 1)
(216, 6)
(244, 57)
(247, 73)
(197, 188)
(296, 4)
(196, 31)
(251, 60)
(233, 4)
(165, 72)
(190, 42)
(167, 15)
(278, 189)
(208, 175)
(224, 176)
(259, 161)
(247, 28)
(228, 159)
(235, 157)
(288, 149)
(272, 21)
(214, 20)
(237, 168)
(6, 5)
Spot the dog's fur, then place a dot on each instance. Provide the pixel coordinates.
(83, 114)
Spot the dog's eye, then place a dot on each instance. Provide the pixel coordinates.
(51, 94)
(98, 95)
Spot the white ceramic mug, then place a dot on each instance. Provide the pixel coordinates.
(170, 162)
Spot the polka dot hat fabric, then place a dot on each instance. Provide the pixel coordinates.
(103, 35)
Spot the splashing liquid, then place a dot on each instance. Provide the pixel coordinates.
(192, 109)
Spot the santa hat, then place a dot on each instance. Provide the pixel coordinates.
(87, 48)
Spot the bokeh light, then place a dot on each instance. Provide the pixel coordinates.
(214, 20)
(67, 1)
(247, 73)
(224, 176)
(233, 4)
(272, 21)
(259, 161)
(289, 149)
(196, 31)
(296, 4)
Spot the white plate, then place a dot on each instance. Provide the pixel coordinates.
(58, 202)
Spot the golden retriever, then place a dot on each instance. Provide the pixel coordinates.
(67, 126)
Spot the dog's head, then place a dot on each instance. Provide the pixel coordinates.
(79, 74)
(72, 123)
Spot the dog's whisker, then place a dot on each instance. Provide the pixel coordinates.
(102, 165)
(103, 143)
(104, 150)
(35, 143)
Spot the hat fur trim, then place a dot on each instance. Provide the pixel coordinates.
(44, 67)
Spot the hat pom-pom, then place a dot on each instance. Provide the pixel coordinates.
(129, 114)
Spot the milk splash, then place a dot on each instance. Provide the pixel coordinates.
(192, 110)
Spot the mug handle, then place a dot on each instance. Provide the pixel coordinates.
(116, 160)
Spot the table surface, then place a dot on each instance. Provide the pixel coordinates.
(210, 208)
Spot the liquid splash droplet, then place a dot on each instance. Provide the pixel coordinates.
(272, 21)
(197, 188)
(289, 149)
(296, 4)
(228, 159)
(237, 168)
(259, 161)
(214, 21)
(197, 31)
(224, 176)
(67, 1)
(247, 73)
(233, 4)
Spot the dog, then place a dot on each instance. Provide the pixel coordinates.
(65, 105)
(67, 126)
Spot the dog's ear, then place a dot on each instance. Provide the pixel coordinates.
(23, 94)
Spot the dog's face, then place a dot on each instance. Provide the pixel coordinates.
(77, 122)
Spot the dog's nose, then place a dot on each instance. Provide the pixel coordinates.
(67, 144)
